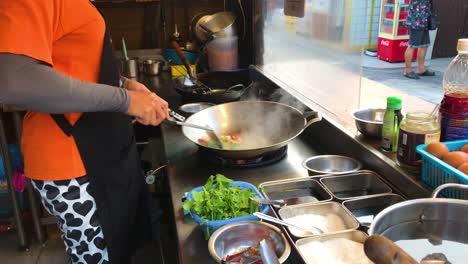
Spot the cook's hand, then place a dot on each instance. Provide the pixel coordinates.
(147, 107)
(132, 85)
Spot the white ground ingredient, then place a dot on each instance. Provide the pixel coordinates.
(328, 223)
(336, 251)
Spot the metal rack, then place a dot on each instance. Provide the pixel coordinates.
(20, 230)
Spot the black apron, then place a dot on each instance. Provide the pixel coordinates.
(107, 146)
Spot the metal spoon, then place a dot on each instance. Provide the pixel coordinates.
(275, 203)
(310, 229)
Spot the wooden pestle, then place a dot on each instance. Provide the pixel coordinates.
(381, 250)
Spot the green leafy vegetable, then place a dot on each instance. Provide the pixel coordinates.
(219, 201)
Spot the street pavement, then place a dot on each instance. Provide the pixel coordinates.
(426, 88)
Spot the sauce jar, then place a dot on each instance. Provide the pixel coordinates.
(415, 129)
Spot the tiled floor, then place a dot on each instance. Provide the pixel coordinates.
(53, 252)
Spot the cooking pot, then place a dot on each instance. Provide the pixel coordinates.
(425, 226)
(262, 126)
(152, 67)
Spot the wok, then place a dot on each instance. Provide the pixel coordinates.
(262, 126)
(225, 86)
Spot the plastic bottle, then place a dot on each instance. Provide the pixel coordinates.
(454, 106)
(391, 124)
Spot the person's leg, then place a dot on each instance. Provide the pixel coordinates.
(75, 209)
(408, 59)
(421, 58)
(425, 42)
(413, 40)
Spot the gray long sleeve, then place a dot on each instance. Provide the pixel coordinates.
(32, 85)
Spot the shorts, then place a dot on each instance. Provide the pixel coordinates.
(419, 38)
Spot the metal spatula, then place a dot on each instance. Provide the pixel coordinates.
(208, 130)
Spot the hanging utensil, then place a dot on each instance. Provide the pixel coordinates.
(310, 229)
(124, 49)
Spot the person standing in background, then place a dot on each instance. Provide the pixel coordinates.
(418, 24)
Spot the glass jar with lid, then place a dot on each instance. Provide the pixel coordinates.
(415, 129)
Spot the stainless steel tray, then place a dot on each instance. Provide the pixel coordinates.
(355, 235)
(365, 209)
(323, 208)
(295, 191)
(359, 184)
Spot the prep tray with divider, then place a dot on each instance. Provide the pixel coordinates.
(357, 197)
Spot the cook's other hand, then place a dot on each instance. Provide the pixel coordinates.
(133, 85)
(147, 108)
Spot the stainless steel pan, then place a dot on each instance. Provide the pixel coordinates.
(261, 125)
(427, 226)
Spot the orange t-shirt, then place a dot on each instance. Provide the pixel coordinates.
(68, 35)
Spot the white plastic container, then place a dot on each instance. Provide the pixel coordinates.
(223, 54)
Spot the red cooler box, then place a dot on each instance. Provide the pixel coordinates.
(393, 50)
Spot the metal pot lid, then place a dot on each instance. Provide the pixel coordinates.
(212, 24)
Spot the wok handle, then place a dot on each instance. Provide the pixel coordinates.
(381, 250)
(236, 87)
(316, 117)
(448, 185)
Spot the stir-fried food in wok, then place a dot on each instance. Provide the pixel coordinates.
(230, 142)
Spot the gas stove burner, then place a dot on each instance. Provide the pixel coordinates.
(263, 160)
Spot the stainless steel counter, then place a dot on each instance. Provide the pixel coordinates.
(188, 169)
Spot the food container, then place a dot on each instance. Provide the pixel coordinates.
(426, 226)
(223, 54)
(295, 191)
(436, 172)
(302, 244)
(331, 164)
(337, 211)
(208, 227)
(362, 183)
(415, 129)
(232, 238)
(369, 121)
(365, 209)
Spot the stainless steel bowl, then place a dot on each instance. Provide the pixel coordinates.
(229, 239)
(369, 121)
(331, 164)
(192, 108)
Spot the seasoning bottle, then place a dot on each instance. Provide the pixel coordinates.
(391, 123)
(417, 128)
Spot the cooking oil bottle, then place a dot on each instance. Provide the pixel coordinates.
(454, 106)
(391, 124)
